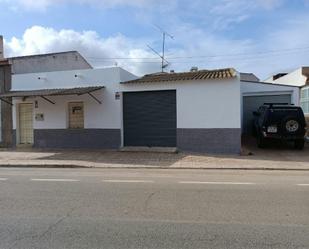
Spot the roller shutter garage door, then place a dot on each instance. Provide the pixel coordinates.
(149, 118)
(252, 103)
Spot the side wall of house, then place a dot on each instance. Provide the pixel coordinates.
(49, 62)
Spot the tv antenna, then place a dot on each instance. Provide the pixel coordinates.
(164, 62)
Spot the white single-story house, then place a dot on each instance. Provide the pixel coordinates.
(110, 108)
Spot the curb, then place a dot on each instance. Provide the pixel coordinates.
(44, 166)
(72, 166)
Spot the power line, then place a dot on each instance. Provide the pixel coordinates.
(300, 49)
(213, 59)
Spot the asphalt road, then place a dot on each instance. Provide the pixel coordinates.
(90, 208)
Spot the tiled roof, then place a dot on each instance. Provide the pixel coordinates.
(196, 75)
(52, 92)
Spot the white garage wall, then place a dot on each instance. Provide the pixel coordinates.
(200, 104)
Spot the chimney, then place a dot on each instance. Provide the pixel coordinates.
(194, 69)
(1, 48)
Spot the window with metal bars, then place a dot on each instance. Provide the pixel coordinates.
(76, 115)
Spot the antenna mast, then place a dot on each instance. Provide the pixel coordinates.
(164, 62)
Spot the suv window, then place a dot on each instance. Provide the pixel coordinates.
(278, 113)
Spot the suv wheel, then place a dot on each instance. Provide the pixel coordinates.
(261, 143)
(299, 144)
(291, 125)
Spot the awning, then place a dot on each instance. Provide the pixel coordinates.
(44, 93)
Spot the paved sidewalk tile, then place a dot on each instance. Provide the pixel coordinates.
(272, 158)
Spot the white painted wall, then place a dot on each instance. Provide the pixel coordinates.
(295, 78)
(200, 104)
(65, 79)
(104, 116)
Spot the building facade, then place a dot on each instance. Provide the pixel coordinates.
(187, 113)
(110, 108)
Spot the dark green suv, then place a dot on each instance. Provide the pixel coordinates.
(281, 122)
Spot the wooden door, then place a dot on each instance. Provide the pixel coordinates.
(25, 124)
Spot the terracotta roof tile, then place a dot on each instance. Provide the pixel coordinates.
(196, 75)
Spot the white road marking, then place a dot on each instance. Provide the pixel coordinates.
(53, 180)
(217, 183)
(128, 181)
(3, 179)
(303, 184)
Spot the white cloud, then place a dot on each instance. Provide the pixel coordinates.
(189, 41)
(39, 39)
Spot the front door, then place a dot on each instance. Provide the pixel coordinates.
(25, 124)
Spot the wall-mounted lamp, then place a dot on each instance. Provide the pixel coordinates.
(42, 78)
(78, 76)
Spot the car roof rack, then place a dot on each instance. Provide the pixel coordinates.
(272, 104)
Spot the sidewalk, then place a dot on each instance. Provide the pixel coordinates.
(271, 159)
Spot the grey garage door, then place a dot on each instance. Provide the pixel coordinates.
(252, 103)
(149, 118)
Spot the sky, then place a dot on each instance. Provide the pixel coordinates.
(258, 36)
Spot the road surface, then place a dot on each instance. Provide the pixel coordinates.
(93, 208)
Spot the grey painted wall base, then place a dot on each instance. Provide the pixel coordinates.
(210, 140)
(78, 139)
(225, 141)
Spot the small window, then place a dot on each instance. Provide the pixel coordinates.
(76, 115)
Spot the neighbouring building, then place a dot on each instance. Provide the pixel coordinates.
(69, 60)
(41, 63)
(110, 108)
(299, 78)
